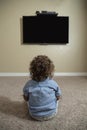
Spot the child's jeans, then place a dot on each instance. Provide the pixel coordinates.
(45, 117)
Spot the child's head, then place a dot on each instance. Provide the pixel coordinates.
(41, 67)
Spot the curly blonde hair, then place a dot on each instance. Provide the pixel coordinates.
(41, 67)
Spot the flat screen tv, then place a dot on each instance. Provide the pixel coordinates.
(45, 29)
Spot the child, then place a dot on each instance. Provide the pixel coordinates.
(42, 92)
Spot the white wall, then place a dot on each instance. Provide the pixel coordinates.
(15, 57)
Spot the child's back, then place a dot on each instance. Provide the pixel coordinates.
(42, 97)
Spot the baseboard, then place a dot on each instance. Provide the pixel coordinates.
(71, 74)
(14, 74)
(55, 74)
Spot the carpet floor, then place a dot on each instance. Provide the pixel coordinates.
(72, 113)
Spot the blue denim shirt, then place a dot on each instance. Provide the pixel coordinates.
(42, 97)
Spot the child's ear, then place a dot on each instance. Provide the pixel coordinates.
(51, 75)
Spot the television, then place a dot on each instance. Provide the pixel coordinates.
(45, 29)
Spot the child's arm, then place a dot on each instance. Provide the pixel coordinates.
(26, 98)
(58, 97)
(58, 93)
(26, 92)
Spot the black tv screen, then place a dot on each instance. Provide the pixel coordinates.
(45, 29)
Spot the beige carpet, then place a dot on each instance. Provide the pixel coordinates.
(72, 107)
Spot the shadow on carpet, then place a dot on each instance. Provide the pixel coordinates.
(15, 108)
